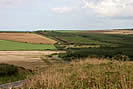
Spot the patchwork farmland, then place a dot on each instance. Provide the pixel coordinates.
(20, 54)
(41, 52)
(99, 44)
(25, 41)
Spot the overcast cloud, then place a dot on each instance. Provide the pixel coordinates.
(111, 7)
(65, 14)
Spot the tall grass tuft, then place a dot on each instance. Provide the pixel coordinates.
(85, 74)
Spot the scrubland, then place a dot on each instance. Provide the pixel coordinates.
(85, 74)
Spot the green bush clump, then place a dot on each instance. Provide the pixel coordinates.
(11, 73)
(111, 53)
(121, 57)
(6, 69)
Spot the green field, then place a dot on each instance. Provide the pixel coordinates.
(81, 38)
(6, 45)
(84, 44)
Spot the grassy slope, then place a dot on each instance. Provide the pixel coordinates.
(84, 37)
(86, 74)
(13, 46)
(11, 73)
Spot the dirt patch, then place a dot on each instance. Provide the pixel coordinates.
(26, 59)
(27, 38)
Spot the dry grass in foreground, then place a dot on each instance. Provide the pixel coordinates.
(85, 74)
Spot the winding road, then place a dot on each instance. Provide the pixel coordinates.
(16, 84)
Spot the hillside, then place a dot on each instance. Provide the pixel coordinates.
(104, 60)
(79, 44)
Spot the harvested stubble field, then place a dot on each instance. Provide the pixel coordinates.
(18, 65)
(26, 59)
(26, 38)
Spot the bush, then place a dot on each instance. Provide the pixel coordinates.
(6, 69)
(11, 73)
(121, 57)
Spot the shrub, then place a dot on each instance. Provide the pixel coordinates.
(121, 57)
(6, 69)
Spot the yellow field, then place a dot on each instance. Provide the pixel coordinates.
(27, 38)
(27, 59)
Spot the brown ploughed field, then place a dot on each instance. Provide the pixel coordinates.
(125, 32)
(27, 38)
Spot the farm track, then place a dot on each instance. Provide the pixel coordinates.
(16, 84)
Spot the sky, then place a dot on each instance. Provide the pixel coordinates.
(29, 15)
